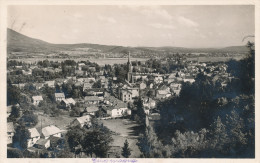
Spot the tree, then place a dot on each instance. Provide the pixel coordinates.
(97, 142)
(235, 126)
(74, 138)
(140, 111)
(219, 135)
(13, 95)
(97, 84)
(149, 144)
(14, 153)
(28, 119)
(126, 151)
(15, 113)
(21, 136)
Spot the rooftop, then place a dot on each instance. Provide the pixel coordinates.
(50, 130)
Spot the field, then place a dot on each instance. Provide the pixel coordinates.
(214, 59)
(100, 62)
(124, 129)
(62, 121)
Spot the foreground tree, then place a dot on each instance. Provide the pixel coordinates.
(74, 139)
(97, 142)
(149, 144)
(126, 151)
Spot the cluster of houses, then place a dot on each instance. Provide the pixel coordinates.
(158, 86)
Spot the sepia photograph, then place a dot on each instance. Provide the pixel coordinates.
(130, 81)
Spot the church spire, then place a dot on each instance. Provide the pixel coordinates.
(129, 64)
(129, 68)
(128, 57)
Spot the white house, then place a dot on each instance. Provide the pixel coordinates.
(142, 85)
(50, 83)
(125, 95)
(68, 102)
(51, 131)
(34, 136)
(10, 132)
(82, 121)
(117, 110)
(37, 100)
(59, 96)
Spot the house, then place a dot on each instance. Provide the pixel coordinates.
(176, 88)
(91, 109)
(20, 85)
(149, 103)
(114, 78)
(38, 85)
(59, 81)
(59, 96)
(80, 65)
(51, 131)
(10, 132)
(50, 83)
(126, 95)
(34, 136)
(92, 69)
(118, 110)
(43, 144)
(87, 86)
(37, 100)
(158, 79)
(142, 86)
(92, 99)
(79, 72)
(171, 78)
(190, 80)
(9, 110)
(163, 92)
(82, 121)
(95, 92)
(68, 102)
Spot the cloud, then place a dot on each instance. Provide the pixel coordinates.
(162, 26)
(106, 19)
(187, 21)
(156, 11)
(149, 11)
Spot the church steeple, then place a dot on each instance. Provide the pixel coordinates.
(129, 68)
(129, 64)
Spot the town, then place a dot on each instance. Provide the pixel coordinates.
(47, 99)
(130, 82)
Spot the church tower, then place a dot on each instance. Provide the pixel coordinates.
(129, 68)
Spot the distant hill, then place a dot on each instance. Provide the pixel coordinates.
(17, 42)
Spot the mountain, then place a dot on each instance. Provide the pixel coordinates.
(17, 42)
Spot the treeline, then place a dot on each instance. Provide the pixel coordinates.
(207, 120)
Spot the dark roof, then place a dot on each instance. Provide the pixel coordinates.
(92, 98)
(92, 109)
(42, 141)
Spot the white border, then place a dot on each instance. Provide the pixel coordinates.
(3, 26)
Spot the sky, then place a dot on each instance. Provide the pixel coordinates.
(128, 25)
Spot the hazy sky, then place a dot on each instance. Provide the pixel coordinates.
(183, 26)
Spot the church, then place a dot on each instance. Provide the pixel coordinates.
(129, 69)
